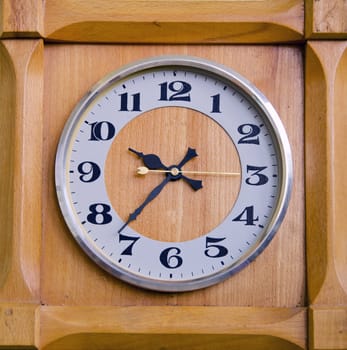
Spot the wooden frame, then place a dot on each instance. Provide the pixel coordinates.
(326, 171)
(326, 19)
(25, 26)
(125, 21)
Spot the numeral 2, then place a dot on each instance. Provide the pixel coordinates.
(251, 133)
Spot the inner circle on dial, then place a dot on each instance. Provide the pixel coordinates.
(178, 213)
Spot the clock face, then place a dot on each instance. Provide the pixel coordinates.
(173, 173)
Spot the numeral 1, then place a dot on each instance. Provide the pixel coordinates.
(215, 104)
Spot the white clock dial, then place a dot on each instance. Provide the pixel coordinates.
(130, 99)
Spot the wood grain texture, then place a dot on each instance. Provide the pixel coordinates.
(326, 19)
(325, 159)
(162, 21)
(184, 213)
(7, 140)
(326, 176)
(21, 18)
(172, 328)
(278, 275)
(328, 327)
(21, 145)
(17, 326)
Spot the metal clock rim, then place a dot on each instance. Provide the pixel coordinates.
(249, 90)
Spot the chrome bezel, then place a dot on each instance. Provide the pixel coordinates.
(242, 85)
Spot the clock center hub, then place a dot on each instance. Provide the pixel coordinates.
(175, 173)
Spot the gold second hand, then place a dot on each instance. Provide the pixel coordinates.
(174, 171)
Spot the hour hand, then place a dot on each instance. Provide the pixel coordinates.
(151, 161)
(191, 153)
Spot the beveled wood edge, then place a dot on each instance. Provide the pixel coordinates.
(327, 327)
(324, 283)
(22, 280)
(113, 23)
(312, 31)
(62, 322)
(17, 325)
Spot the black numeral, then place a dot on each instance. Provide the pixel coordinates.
(215, 104)
(129, 249)
(247, 216)
(101, 131)
(215, 250)
(89, 171)
(171, 261)
(180, 90)
(99, 214)
(135, 107)
(251, 133)
(259, 178)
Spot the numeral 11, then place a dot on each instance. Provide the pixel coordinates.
(135, 107)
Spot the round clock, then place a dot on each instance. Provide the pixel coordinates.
(173, 173)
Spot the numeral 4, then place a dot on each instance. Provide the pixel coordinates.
(247, 216)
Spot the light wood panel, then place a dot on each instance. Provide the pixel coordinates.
(184, 213)
(21, 18)
(156, 21)
(17, 326)
(278, 275)
(21, 70)
(21, 148)
(172, 328)
(326, 174)
(326, 19)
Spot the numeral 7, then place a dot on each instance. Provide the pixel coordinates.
(129, 249)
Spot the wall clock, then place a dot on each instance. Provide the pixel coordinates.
(173, 173)
(52, 295)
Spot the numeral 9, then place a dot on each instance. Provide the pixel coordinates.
(89, 171)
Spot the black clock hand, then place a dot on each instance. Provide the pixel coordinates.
(195, 184)
(191, 153)
(152, 161)
(154, 193)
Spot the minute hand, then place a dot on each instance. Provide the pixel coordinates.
(154, 193)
